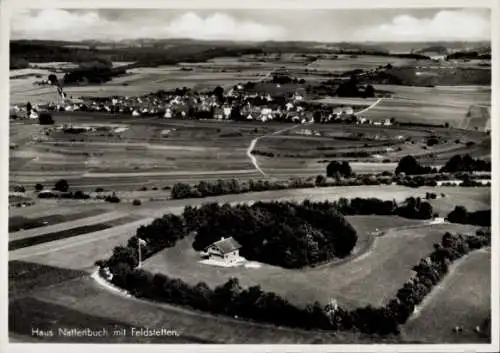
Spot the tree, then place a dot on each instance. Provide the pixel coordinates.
(219, 93)
(38, 187)
(458, 215)
(61, 185)
(53, 79)
(235, 113)
(181, 190)
(320, 180)
(332, 168)
(348, 88)
(45, 118)
(28, 107)
(410, 166)
(425, 210)
(345, 169)
(317, 116)
(19, 188)
(369, 91)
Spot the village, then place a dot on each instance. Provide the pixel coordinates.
(235, 103)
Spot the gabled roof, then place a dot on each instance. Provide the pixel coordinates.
(226, 245)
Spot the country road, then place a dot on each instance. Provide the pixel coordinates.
(370, 107)
(253, 159)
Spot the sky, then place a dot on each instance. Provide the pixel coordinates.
(331, 25)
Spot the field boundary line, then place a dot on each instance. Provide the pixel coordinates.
(51, 228)
(49, 247)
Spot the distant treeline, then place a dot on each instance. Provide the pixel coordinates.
(407, 76)
(470, 55)
(22, 51)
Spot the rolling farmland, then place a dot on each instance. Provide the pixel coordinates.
(55, 243)
(438, 105)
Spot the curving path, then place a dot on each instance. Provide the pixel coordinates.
(370, 107)
(250, 148)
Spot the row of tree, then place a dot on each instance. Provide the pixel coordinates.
(341, 177)
(466, 163)
(458, 163)
(413, 208)
(233, 186)
(432, 269)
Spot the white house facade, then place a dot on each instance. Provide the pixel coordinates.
(225, 250)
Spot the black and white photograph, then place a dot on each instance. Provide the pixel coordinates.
(270, 175)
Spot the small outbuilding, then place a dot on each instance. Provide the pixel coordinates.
(226, 250)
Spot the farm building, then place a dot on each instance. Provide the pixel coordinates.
(225, 250)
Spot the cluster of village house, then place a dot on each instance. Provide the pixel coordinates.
(254, 106)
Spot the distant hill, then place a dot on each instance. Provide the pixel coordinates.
(170, 51)
(438, 49)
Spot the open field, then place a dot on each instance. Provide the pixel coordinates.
(78, 301)
(158, 149)
(355, 102)
(29, 311)
(308, 148)
(68, 233)
(462, 298)
(474, 199)
(372, 278)
(17, 223)
(155, 152)
(436, 105)
(364, 62)
(135, 82)
(477, 118)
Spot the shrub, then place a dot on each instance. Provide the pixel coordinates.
(136, 202)
(112, 198)
(335, 169)
(61, 185)
(45, 118)
(320, 180)
(409, 166)
(38, 187)
(19, 188)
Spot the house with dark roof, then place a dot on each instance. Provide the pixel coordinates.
(226, 250)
